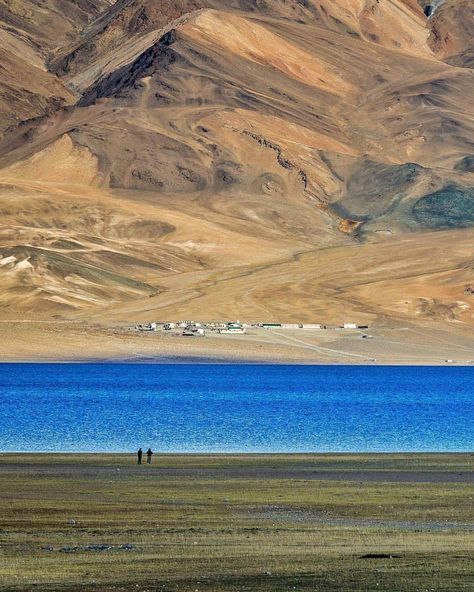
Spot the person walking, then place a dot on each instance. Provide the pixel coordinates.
(139, 456)
(149, 454)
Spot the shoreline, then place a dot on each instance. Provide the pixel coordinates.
(384, 345)
(219, 362)
(370, 467)
(239, 455)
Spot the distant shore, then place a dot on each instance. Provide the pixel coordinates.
(385, 344)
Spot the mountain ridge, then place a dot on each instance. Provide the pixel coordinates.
(239, 139)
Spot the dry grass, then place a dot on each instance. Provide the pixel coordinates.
(232, 533)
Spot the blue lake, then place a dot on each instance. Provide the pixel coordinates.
(233, 408)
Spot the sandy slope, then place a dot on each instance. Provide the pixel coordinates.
(290, 161)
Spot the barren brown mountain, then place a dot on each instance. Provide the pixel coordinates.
(293, 160)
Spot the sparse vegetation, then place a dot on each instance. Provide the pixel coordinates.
(72, 522)
(451, 207)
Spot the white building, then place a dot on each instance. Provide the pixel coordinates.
(148, 327)
(193, 331)
(232, 328)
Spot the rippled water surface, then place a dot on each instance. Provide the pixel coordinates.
(218, 408)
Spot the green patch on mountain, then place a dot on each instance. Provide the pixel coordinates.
(466, 164)
(450, 207)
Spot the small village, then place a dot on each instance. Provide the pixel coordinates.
(188, 328)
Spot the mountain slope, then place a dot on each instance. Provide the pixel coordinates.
(451, 36)
(224, 157)
(29, 32)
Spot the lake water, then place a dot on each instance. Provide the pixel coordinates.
(232, 408)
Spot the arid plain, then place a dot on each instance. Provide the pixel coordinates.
(266, 161)
(227, 523)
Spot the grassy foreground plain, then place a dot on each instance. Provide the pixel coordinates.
(237, 522)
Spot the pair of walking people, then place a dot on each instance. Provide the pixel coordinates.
(149, 454)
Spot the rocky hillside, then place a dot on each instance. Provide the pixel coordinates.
(170, 158)
(30, 32)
